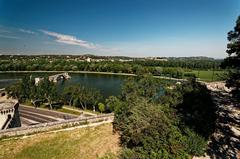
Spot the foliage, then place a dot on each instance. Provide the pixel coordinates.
(47, 91)
(173, 67)
(82, 96)
(160, 128)
(101, 107)
(194, 143)
(232, 62)
(195, 107)
(113, 103)
(148, 132)
(26, 89)
(143, 86)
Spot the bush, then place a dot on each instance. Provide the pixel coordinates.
(194, 143)
(101, 107)
(188, 74)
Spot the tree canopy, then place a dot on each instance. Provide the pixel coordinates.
(232, 62)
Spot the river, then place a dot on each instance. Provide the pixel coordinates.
(107, 84)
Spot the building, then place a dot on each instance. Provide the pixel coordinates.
(9, 114)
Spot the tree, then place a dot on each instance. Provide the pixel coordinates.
(113, 103)
(145, 86)
(14, 91)
(147, 132)
(101, 107)
(232, 62)
(196, 107)
(82, 96)
(155, 129)
(70, 93)
(48, 91)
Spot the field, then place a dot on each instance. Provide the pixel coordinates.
(85, 143)
(208, 75)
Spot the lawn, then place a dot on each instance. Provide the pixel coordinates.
(208, 75)
(85, 143)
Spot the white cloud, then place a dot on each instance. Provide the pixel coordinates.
(71, 40)
(27, 31)
(4, 31)
(9, 37)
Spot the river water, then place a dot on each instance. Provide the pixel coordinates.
(107, 84)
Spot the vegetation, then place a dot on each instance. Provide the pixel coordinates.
(45, 92)
(101, 107)
(172, 67)
(156, 124)
(232, 62)
(80, 96)
(206, 75)
(84, 143)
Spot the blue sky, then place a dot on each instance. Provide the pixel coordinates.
(117, 27)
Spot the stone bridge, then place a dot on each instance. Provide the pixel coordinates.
(54, 78)
(59, 76)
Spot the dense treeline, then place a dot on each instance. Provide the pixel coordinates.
(175, 124)
(171, 68)
(187, 64)
(64, 64)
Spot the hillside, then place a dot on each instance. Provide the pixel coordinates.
(85, 143)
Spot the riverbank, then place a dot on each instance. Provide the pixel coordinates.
(90, 72)
(93, 72)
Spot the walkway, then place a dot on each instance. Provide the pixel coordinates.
(225, 142)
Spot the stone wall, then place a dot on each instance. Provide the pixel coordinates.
(56, 125)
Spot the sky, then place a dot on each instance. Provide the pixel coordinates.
(136, 28)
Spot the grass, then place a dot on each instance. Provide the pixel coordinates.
(85, 143)
(208, 75)
(28, 103)
(68, 111)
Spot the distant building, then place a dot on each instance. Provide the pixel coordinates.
(157, 58)
(38, 79)
(88, 59)
(9, 114)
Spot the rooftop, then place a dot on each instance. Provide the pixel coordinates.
(7, 104)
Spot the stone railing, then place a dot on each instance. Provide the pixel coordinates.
(56, 125)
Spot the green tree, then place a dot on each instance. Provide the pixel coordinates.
(14, 91)
(101, 107)
(147, 131)
(85, 96)
(232, 62)
(70, 93)
(47, 91)
(113, 103)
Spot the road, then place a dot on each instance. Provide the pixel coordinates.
(31, 116)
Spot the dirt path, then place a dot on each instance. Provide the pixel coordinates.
(225, 142)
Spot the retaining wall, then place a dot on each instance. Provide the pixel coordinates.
(55, 125)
